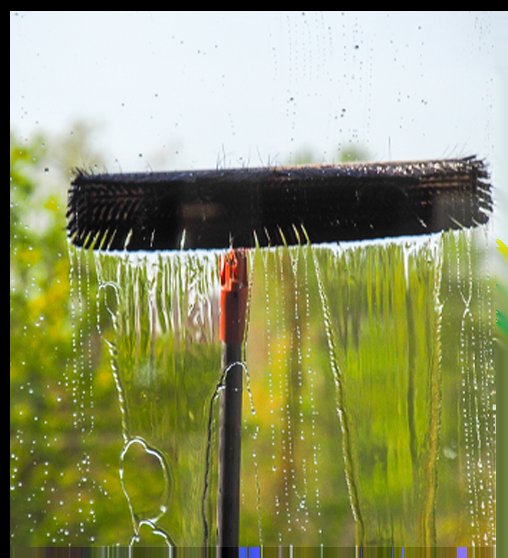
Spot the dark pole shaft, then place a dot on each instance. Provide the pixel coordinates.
(232, 327)
(230, 439)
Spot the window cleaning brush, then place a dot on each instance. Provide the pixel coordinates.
(245, 207)
(242, 208)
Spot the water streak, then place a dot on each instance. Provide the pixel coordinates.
(385, 336)
(343, 417)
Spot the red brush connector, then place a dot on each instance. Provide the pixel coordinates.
(233, 296)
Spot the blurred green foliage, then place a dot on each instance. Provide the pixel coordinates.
(65, 430)
(66, 422)
(59, 488)
(346, 154)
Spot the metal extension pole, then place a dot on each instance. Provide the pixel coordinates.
(234, 289)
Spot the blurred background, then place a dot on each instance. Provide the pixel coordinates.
(142, 91)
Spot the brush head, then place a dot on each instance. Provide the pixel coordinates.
(272, 206)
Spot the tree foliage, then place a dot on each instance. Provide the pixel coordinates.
(66, 422)
(54, 486)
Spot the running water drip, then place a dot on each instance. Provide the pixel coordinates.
(371, 368)
(211, 464)
(163, 336)
(477, 398)
(254, 437)
(341, 412)
(287, 380)
(79, 382)
(310, 373)
(387, 378)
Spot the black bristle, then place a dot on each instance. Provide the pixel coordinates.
(239, 207)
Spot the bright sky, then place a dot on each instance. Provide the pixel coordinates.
(179, 90)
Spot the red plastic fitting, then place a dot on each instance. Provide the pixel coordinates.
(233, 295)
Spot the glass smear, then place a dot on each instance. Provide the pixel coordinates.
(369, 417)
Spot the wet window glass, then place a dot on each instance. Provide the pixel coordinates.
(254, 278)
